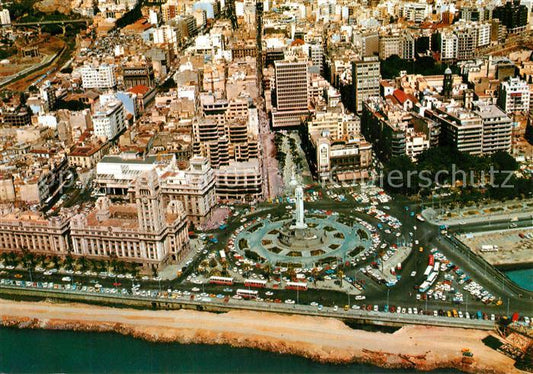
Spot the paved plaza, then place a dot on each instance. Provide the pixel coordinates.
(334, 240)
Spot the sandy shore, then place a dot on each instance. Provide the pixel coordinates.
(320, 339)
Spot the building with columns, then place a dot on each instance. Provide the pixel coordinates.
(28, 230)
(146, 231)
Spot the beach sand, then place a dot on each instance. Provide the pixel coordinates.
(320, 339)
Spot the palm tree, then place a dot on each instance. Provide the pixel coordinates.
(291, 273)
(214, 273)
(29, 259)
(267, 270)
(114, 263)
(120, 266)
(12, 258)
(315, 274)
(340, 275)
(40, 259)
(56, 261)
(134, 269)
(69, 260)
(83, 263)
(4, 256)
(95, 264)
(225, 268)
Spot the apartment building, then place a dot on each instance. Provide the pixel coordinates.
(108, 119)
(138, 75)
(497, 129)
(395, 131)
(461, 129)
(333, 120)
(87, 156)
(102, 76)
(449, 43)
(514, 96)
(292, 97)
(365, 80)
(415, 11)
(467, 40)
(389, 45)
(194, 187)
(316, 55)
(240, 181)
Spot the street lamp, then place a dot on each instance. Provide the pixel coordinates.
(388, 291)
(508, 302)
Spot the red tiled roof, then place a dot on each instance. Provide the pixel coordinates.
(400, 96)
(139, 89)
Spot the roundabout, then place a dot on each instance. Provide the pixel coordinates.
(325, 240)
(306, 242)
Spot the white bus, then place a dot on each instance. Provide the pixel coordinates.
(428, 270)
(432, 277)
(221, 280)
(423, 287)
(247, 294)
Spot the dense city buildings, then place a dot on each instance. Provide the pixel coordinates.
(144, 133)
(513, 15)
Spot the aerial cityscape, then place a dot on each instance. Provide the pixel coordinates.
(266, 186)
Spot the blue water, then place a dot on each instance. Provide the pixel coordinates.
(30, 351)
(524, 278)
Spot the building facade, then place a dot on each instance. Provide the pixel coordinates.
(102, 76)
(24, 230)
(145, 232)
(514, 96)
(365, 80)
(108, 120)
(291, 92)
(240, 181)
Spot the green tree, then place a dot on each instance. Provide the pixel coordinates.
(83, 263)
(28, 259)
(504, 161)
(68, 262)
(400, 176)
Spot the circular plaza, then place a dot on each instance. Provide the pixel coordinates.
(324, 239)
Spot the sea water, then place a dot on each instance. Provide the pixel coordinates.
(523, 277)
(45, 351)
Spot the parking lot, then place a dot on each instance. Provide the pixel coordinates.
(502, 247)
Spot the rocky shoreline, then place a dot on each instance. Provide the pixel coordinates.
(379, 349)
